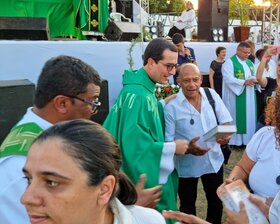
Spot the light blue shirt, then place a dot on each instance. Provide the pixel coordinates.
(178, 114)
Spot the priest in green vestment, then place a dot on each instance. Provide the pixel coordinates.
(136, 122)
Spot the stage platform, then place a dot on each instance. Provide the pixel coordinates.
(24, 59)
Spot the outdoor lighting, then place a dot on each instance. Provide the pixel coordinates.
(262, 3)
(218, 34)
(152, 29)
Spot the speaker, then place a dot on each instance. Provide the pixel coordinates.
(104, 108)
(212, 14)
(122, 31)
(16, 97)
(23, 28)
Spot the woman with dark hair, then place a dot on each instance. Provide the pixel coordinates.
(73, 174)
(215, 73)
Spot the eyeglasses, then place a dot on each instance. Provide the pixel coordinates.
(95, 104)
(169, 66)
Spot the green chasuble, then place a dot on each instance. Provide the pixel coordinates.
(241, 99)
(135, 121)
(19, 139)
(91, 14)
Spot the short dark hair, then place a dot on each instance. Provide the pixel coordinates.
(95, 151)
(64, 75)
(156, 48)
(244, 44)
(177, 38)
(260, 53)
(219, 49)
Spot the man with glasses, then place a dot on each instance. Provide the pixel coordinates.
(67, 89)
(239, 94)
(136, 122)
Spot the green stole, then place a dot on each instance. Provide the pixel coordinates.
(20, 139)
(240, 101)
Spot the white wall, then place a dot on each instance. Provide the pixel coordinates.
(25, 59)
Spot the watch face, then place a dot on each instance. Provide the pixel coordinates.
(215, 31)
(147, 29)
(220, 31)
(221, 38)
(215, 38)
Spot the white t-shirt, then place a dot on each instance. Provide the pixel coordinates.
(262, 150)
(133, 214)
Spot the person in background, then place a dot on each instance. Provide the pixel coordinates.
(239, 94)
(261, 159)
(185, 54)
(215, 73)
(190, 116)
(186, 20)
(270, 67)
(73, 175)
(267, 83)
(136, 122)
(252, 56)
(272, 212)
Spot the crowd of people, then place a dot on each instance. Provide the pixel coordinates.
(147, 152)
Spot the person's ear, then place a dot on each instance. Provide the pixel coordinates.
(61, 103)
(106, 189)
(178, 81)
(201, 79)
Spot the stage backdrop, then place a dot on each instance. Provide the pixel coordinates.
(24, 59)
(65, 17)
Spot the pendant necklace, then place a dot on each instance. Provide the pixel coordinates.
(191, 114)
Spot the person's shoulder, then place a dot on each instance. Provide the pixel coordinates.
(173, 103)
(144, 215)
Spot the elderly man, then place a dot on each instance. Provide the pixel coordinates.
(191, 115)
(136, 121)
(239, 93)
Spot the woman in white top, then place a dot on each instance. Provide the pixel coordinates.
(73, 175)
(186, 20)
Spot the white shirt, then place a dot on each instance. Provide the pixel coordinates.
(274, 211)
(188, 18)
(12, 184)
(133, 214)
(271, 72)
(233, 87)
(178, 114)
(262, 150)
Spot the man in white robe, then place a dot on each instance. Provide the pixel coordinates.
(239, 94)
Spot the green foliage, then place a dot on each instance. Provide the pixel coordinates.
(240, 9)
(146, 36)
(162, 6)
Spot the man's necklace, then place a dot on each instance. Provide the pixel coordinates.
(192, 112)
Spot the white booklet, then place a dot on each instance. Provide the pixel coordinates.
(235, 192)
(219, 131)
